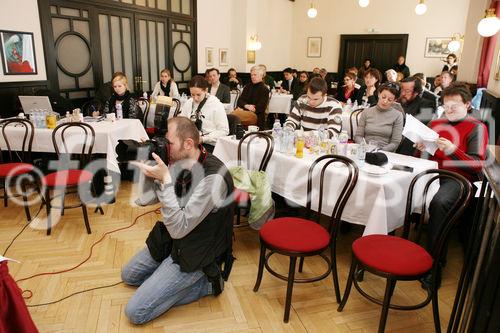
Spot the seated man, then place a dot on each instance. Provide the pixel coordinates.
(316, 109)
(461, 148)
(196, 227)
(290, 84)
(218, 89)
(254, 99)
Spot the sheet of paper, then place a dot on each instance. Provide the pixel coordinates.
(2, 258)
(416, 131)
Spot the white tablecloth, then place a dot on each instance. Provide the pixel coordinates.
(280, 103)
(107, 135)
(378, 202)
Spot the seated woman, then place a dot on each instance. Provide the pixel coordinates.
(391, 75)
(206, 111)
(233, 81)
(121, 98)
(253, 100)
(303, 82)
(382, 125)
(348, 91)
(368, 93)
(166, 86)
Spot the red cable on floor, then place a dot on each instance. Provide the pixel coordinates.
(157, 211)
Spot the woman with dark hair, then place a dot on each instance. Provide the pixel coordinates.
(303, 82)
(233, 81)
(121, 99)
(368, 93)
(451, 64)
(348, 91)
(382, 124)
(206, 111)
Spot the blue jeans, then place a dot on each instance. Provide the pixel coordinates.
(161, 286)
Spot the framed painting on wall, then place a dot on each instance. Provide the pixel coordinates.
(209, 56)
(250, 57)
(437, 47)
(314, 47)
(223, 57)
(18, 52)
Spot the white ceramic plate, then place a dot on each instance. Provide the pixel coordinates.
(375, 170)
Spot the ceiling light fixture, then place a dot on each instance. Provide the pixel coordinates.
(312, 12)
(456, 42)
(364, 3)
(489, 25)
(420, 8)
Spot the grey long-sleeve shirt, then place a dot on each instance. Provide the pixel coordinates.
(384, 127)
(181, 218)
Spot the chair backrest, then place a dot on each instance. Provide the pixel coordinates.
(145, 102)
(354, 116)
(233, 122)
(322, 163)
(27, 139)
(74, 139)
(267, 153)
(455, 211)
(176, 105)
(92, 105)
(237, 93)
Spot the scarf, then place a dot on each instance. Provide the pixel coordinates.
(166, 89)
(125, 99)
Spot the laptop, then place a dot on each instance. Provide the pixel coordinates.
(30, 103)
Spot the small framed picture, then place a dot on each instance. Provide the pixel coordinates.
(497, 67)
(314, 47)
(209, 56)
(223, 57)
(250, 57)
(437, 47)
(18, 52)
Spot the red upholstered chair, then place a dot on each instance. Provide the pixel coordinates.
(11, 170)
(299, 238)
(241, 197)
(70, 139)
(399, 259)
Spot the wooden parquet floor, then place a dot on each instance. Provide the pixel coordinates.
(238, 309)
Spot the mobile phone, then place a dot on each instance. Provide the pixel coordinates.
(402, 168)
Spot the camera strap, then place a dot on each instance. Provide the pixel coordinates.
(197, 113)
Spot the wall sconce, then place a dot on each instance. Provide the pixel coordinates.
(312, 12)
(489, 25)
(456, 42)
(364, 3)
(420, 8)
(255, 44)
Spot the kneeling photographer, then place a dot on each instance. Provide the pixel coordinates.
(182, 260)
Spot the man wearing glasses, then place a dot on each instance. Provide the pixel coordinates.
(179, 265)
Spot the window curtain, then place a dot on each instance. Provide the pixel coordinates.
(14, 315)
(487, 53)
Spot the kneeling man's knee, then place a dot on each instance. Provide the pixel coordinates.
(135, 314)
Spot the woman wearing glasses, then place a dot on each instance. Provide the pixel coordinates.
(382, 124)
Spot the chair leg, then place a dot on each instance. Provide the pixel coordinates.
(435, 310)
(47, 207)
(389, 289)
(334, 273)
(63, 198)
(352, 272)
(5, 198)
(86, 218)
(289, 288)
(301, 264)
(261, 267)
(238, 215)
(25, 202)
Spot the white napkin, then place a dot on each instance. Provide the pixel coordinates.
(2, 258)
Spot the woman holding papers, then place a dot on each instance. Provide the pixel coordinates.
(382, 124)
(461, 148)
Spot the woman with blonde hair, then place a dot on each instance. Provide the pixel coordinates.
(166, 86)
(122, 99)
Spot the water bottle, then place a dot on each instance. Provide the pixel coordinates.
(145, 95)
(119, 111)
(342, 147)
(361, 153)
(334, 145)
(288, 141)
(322, 139)
(277, 135)
(355, 105)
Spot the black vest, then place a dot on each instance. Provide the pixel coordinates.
(212, 238)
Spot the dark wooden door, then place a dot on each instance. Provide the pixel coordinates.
(383, 50)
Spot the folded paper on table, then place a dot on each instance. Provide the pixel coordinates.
(417, 132)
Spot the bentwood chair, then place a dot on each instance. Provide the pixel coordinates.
(299, 238)
(354, 117)
(241, 197)
(71, 140)
(19, 165)
(165, 106)
(399, 259)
